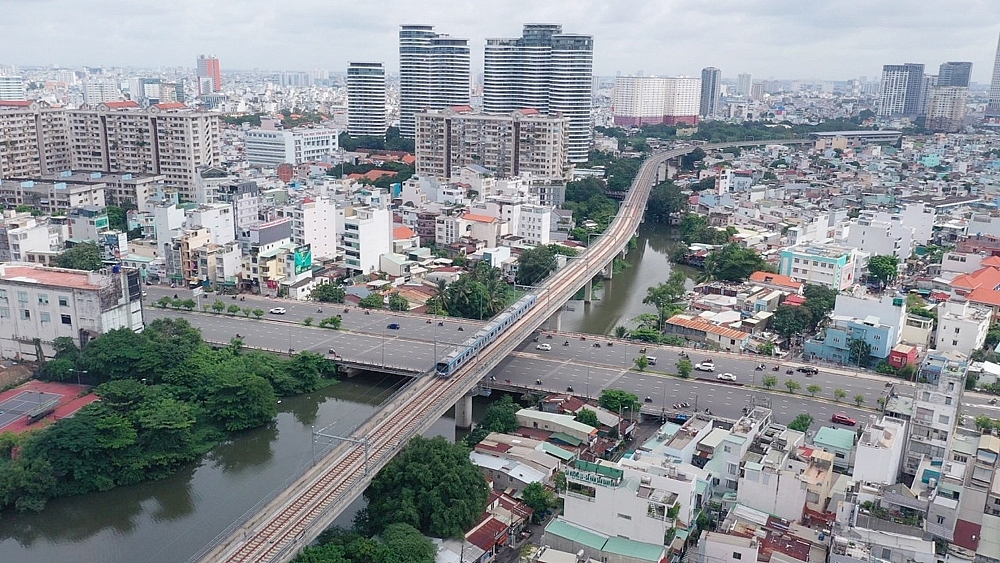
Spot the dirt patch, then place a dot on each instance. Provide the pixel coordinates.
(11, 375)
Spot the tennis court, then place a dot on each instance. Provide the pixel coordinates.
(25, 404)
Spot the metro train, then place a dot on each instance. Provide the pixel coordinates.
(472, 346)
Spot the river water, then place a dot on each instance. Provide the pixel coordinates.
(169, 520)
(619, 301)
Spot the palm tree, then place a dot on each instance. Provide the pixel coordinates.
(621, 331)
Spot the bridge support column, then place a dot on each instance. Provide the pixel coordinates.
(557, 320)
(463, 412)
(609, 270)
(588, 291)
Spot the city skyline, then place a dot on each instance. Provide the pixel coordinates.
(777, 39)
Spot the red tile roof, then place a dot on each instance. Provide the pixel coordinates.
(776, 279)
(78, 279)
(171, 105)
(122, 105)
(400, 233)
(16, 103)
(988, 277)
(794, 300)
(967, 534)
(479, 218)
(707, 327)
(489, 534)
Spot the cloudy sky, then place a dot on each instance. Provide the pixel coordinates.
(769, 38)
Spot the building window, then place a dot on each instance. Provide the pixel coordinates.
(943, 419)
(63, 301)
(4, 312)
(737, 555)
(22, 296)
(954, 342)
(45, 317)
(940, 520)
(624, 516)
(66, 320)
(25, 315)
(956, 330)
(3, 294)
(43, 299)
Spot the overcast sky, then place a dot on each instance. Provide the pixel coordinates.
(769, 38)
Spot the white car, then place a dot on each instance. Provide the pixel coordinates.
(277, 311)
(544, 347)
(705, 366)
(726, 377)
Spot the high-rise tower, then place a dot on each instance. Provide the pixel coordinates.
(208, 67)
(546, 70)
(901, 89)
(744, 83)
(433, 73)
(366, 100)
(710, 78)
(993, 107)
(954, 74)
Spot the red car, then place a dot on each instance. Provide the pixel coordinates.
(841, 418)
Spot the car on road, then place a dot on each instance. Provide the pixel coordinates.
(705, 366)
(678, 418)
(277, 311)
(651, 360)
(544, 347)
(808, 370)
(841, 418)
(393, 326)
(726, 377)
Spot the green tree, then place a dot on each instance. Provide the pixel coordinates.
(588, 417)
(883, 269)
(616, 399)
(792, 385)
(258, 313)
(331, 322)
(83, 256)
(791, 320)
(247, 311)
(372, 301)
(218, 306)
(820, 300)
(801, 423)
(684, 368)
(666, 296)
(431, 485)
(539, 499)
(642, 362)
(233, 309)
(766, 348)
(860, 351)
(769, 381)
(984, 423)
(859, 399)
(501, 416)
(117, 220)
(164, 302)
(733, 263)
(188, 304)
(621, 331)
(839, 394)
(813, 389)
(559, 480)
(239, 400)
(534, 264)
(328, 293)
(397, 302)
(308, 321)
(665, 201)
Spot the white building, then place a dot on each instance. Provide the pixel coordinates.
(296, 146)
(366, 100)
(641, 100)
(535, 224)
(962, 327)
(879, 453)
(880, 234)
(97, 91)
(52, 197)
(49, 303)
(314, 222)
(217, 218)
(12, 88)
(32, 237)
(433, 73)
(367, 236)
(935, 409)
(823, 263)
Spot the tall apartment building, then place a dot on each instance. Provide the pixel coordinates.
(546, 70)
(39, 139)
(295, 146)
(901, 90)
(744, 83)
(954, 74)
(940, 383)
(48, 303)
(314, 222)
(208, 67)
(711, 78)
(367, 236)
(99, 91)
(642, 100)
(946, 110)
(993, 106)
(12, 88)
(366, 100)
(167, 139)
(433, 73)
(523, 141)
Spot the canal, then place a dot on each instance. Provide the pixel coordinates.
(169, 520)
(619, 301)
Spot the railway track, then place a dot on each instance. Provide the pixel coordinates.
(293, 519)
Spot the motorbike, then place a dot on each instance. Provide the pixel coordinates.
(570, 388)
(548, 336)
(538, 382)
(234, 298)
(583, 338)
(346, 310)
(368, 312)
(760, 367)
(536, 339)
(460, 329)
(683, 355)
(238, 335)
(648, 399)
(175, 296)
(993, 401)
(332, 352)
(566, 343)
(775, 368)
(708, 411)
(789, 372)
(429, 321)
(441, 323)
(610, 344)
(642, 350)
(243, 298)
(319, 310)
(597, 344)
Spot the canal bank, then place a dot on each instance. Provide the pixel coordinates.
(169, 520)
(619, 300)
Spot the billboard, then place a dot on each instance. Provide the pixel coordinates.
(303, 259)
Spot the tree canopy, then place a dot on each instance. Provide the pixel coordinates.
(665, 201)
(694, 229)
(477, 294)
(801, 423)
(534, 264)
(588, 417)
(431, 485)
(666, 297)
(83, 256)
(733, 263)
(616, 399)
(883, 269)
(501, 416)
(328, 293)
(398, 543)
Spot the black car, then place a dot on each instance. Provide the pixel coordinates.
(808, 370)
(393, 326)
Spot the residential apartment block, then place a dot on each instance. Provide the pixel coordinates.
(295, 146)
(521, 142)
(827, 263)
(645, 100)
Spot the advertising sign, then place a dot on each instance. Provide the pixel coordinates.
(303, 259)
